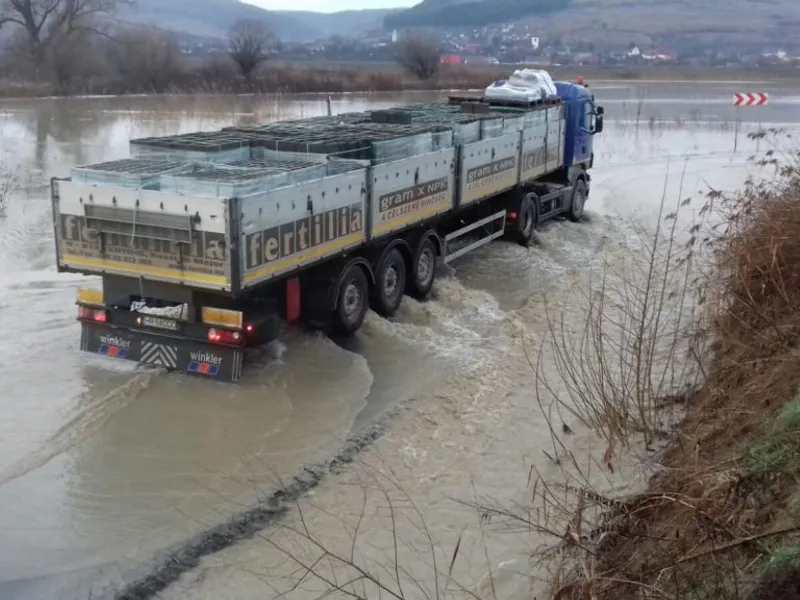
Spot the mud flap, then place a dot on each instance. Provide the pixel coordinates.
(223, 363)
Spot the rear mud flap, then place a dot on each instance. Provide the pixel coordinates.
(223, 363)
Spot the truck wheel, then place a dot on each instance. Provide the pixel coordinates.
(527, 220)
(423, 269)
(351, 301)
(390, 283)
(578, 201)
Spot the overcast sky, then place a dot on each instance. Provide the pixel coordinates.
(329, 5)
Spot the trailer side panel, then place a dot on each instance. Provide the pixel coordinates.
(408, 191)
(534, 147)
(556, 129)
(295, 226)
(488, 167)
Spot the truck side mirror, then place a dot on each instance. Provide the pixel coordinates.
(598, 119)
(598, 123)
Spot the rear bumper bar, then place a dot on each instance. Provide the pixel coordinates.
(223, 363)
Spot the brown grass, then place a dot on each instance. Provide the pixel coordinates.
(720, 520)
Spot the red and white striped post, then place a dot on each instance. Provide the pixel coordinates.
(744, 99)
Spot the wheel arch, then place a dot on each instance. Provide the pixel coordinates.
(418, 238)
(576, 174)
(360, 262)
(402, 245)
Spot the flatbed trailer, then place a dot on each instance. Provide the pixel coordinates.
(206, 242)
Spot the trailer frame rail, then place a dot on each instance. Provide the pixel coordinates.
(489, 236)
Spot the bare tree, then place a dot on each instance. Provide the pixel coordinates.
(249, 45)
(42, 24)
(419, 53)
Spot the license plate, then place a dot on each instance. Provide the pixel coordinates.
(159, 323)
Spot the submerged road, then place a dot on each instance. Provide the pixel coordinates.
(108, 469)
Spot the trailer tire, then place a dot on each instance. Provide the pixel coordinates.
(422, 273)
(527, 219)
(390, 283)
(352, 300)
(578, 201)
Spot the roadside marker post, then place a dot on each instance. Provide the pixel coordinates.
(743, 99)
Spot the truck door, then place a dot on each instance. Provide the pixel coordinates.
(583, 131)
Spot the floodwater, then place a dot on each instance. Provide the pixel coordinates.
(107, 468)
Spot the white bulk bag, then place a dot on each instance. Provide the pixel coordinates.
(525, 85)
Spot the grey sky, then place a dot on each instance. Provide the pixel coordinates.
(330, 5)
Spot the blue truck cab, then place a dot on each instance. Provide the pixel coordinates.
(584, 119)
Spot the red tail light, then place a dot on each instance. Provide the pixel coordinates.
(224, 336)
(512, 216)
(249, 329)
(92, 314)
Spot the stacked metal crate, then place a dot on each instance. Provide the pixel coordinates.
(221, 181)
(246, 177)
(137, 173)
(204, 146)
(465, 127)
(375, 141)
(252, 158)
(468, 125)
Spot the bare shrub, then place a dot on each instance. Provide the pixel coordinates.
(637, 349)
(146, 60)
(419, 54)
(77, 62)
(219, 75)
(757, 252)
(250, 44)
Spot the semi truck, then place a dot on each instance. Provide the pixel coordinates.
(206, 243)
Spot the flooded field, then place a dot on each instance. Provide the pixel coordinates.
(108, 469)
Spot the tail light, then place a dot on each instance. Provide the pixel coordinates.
(249, 329)
(225, 336)
(92, 314)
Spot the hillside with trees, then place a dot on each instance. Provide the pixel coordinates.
(459, 13)
(213, 18)
(736, 24)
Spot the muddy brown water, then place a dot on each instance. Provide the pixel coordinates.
(106, 467)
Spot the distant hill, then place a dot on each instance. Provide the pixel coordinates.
(471, 13)
(346, 22)
(752, 24)
(213, 18)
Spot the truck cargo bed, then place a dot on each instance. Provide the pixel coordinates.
(233, 209)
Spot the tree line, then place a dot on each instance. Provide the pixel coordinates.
(75, 45)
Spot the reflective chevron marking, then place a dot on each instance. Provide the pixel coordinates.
(160, 354)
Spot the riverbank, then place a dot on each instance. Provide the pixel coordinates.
(721, 518)
(298, 78)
